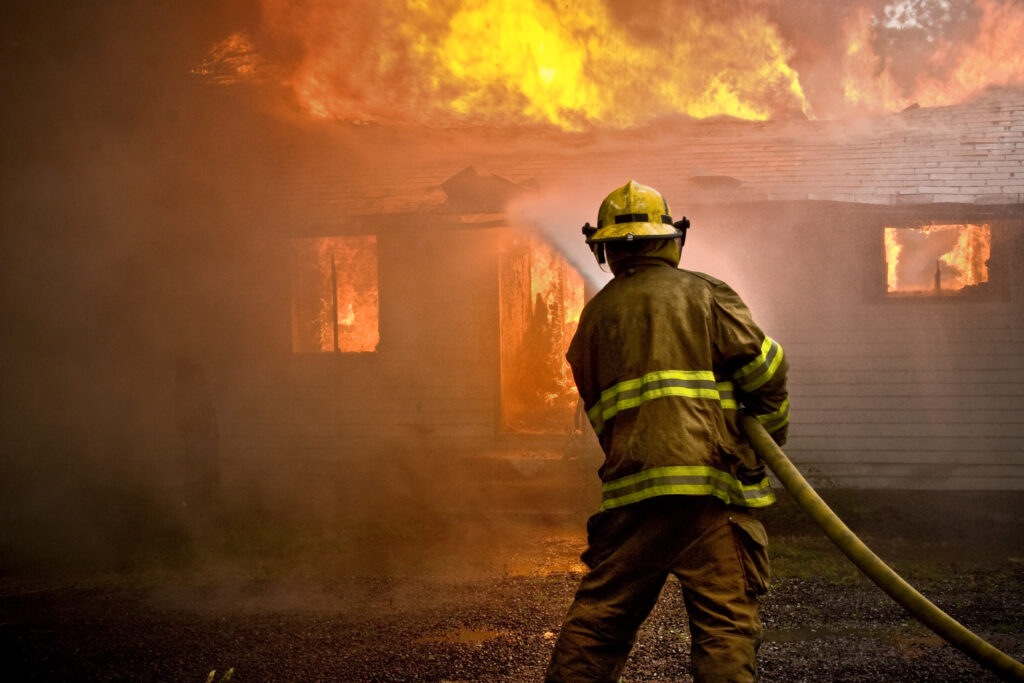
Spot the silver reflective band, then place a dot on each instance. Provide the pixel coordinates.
(633, 392)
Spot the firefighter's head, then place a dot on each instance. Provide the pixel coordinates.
(635, 219)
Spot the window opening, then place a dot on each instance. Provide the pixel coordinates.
(936, 260)
(335, 295)
(541, 297)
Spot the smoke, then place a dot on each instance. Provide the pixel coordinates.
(152, 410)
(558, 217)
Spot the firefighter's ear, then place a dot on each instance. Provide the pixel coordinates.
(598, 250)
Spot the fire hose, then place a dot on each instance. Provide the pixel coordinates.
(878, 571)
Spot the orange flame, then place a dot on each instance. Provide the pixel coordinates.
(541, 302)
(497, 62)
(996, 57)
(993, 57)
(232, 60)
(335, 294)
(937, 258)
(595, 63)
(865, 82)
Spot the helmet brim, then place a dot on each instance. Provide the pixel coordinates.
(629, 232)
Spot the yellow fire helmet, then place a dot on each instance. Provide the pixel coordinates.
(633, 212)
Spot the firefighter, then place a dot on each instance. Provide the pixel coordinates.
(663, 359)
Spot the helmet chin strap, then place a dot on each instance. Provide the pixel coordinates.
(682, 226)
(597, 249)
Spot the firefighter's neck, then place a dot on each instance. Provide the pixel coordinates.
(626, 258)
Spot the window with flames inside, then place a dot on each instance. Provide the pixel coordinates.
(541, 297)
(335, 295)
(937, 260)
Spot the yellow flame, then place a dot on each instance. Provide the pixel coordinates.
(347, 314)
(956, 258)
(541, 298)
(867, 81)
(892, 259)
(969, 256)
(579, 64)
(533, 61)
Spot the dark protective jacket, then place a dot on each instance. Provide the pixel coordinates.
(663, 358)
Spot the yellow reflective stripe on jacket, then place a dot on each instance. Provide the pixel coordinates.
(775, 420)
(631, 393)
(727, 395)
(758, 371)
(690, 480)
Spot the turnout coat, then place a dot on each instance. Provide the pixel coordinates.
(663, 359)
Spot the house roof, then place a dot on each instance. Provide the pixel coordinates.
(970, 153)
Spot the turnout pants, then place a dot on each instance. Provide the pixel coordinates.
(718, 553)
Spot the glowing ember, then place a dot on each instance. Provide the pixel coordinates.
(937, 258)
(232, 60)
(334, 294)
(541, 301)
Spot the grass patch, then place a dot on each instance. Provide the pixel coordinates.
(807, 557)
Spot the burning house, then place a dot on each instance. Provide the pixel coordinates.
(429, 309)
(345, 262)
(426, 289)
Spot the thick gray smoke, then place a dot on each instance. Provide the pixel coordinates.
(119, 245)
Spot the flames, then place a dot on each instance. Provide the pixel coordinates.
(995, 57)
(937, 259)
(541, 298)
(496, 62)
(232, 60)
(604, 63)
(335, 295)
(954, 70)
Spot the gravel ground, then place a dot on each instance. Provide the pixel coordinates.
(317, 620)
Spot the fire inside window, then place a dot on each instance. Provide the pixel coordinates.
(936, 260)
(541, 301)
(334, 295)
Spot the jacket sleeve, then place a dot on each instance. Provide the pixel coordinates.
(753, 362)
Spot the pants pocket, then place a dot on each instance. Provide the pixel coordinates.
(752, 547)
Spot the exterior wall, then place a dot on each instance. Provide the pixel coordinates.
(322, 427)
(887, 393)
(898, 393)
